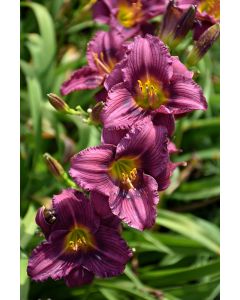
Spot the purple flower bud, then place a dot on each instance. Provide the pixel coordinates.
(58, 103)
(204, 43)
(176, 23)
(53, 165)
(95, 113)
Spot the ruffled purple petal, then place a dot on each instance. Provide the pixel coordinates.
(72, 208)
(78, 277)
(166, 120)
(112, 136)
(85, 78)
(148, 57)
(102, 10)
(152, 8)
(163, 179)
(111, 255)
(180, 69)
(89, 168)
(184, 4)
(172, 148)
(42, 223)
(121, 110)
(149, 143)
(116, 76)
(48, 260)
(186, 96)
(136, 207)
(101, 206)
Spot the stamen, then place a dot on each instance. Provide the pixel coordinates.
(128, 179)
(150, 94)
(79, 239)
(100, 62)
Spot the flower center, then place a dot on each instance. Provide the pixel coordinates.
(102, 65)
(125, 172)
(79, 238)
(150, 94)
(211, 7)
(129, 13)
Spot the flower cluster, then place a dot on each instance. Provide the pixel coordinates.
(143, 89)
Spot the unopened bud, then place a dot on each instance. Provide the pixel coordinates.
(169, 23)
(185, 23)
(53, 165)
(95, 114)
(204, 43)
(58, 103)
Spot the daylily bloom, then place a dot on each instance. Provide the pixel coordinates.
(80, 242)
(130, 174)
(103, 52)
(127, 15)
(151, 82)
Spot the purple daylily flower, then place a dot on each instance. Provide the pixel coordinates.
(129, 173)
(80, 242)
(147, 82)
(127, 15)
(103, 52)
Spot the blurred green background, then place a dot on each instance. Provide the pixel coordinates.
(179, 257)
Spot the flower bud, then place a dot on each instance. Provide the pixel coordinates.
(169, 23)
(95, 113)
(176, 23)
(204, 43)
(185, 23)
(58, 103)
(53, 165)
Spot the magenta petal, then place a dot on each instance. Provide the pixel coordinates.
(42, 223)
(112, 136)
(72, 208)
(184, 4)
(154, 8)
(101, 11)
(116, 76)
(101, 206)
(136, 207)
(166, 120)
(180, 69)
(148, 55)
(47, 260)
(78, 277)
(150, 143)
(89, 168)
(172, 148)
(111, 255)
(83, 79)
(121, 110)
(163, 179)
(186, 96)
